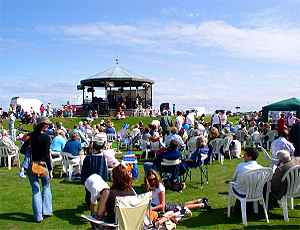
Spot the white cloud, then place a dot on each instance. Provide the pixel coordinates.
(273, 42)
(281, 44)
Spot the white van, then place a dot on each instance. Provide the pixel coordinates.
(26, 104)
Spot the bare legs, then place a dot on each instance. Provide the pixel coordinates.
(194, 204)
(101, 205)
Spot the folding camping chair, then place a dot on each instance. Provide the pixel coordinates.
(131, 212)
(122, 136)
(203, 170)
(170, 167)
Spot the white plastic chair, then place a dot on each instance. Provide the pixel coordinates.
(216, 145)
(249, 187)
(272, 161)
(292, 176)
(241, 135)
(70, 162)
(256, 139)
(57, 160)
(226, 144)
(272, 134)
(6, 154)
(131, 212)
(111, 137)
(155, 146)
(144, 147)
(191, 145)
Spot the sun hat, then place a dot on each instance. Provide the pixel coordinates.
(43, 120)
(284, 156)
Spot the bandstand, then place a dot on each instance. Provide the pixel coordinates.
(123, 89)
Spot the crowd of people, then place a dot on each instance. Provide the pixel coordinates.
(185, 139)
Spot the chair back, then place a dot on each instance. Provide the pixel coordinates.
(144, 144)
(292, 176)
(155, 146)
(123, 131)
(272, 134)
(131, 211)
(216, 145)
(241, 135)
(272, 161)
(226, 142)
(166, 162)
(253, 181)
(191, 144)
(110, 137)
(69, 159)
(256, 138)
(4, 151)
(266, 154)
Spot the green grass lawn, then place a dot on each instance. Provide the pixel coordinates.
(68, 203)
(68, 200)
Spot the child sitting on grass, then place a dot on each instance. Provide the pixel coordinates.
(26, 150)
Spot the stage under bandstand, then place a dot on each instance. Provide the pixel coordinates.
(122, 89)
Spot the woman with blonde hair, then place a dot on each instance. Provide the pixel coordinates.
(202, 151)
(153, 183)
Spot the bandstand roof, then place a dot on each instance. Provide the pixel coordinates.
(116, 76)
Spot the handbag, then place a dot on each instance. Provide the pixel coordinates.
(39, 168)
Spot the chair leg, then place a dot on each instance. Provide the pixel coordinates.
(201, 176)
(229, 204)
(9, 162)
(285, 208)
(70, 172)
(292, 203)
(255, 207)
(268, 194)
(19, 164)
(205, 170)
(244, 211)
(265, 210)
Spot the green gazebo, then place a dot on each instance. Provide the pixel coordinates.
(291, 104)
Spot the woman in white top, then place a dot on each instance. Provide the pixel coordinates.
(153, 183)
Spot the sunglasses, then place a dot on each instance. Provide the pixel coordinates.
(151, 179)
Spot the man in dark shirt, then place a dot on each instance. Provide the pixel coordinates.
(295, 137)
(278, 187)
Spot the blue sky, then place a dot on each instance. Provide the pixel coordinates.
(216, 54)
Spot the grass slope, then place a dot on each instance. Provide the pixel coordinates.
(68, 201)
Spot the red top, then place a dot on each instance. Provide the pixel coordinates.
(280, 125)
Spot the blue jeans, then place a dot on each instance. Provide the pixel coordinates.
(41, 200)
(26, 160)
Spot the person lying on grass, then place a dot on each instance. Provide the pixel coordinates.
(152, 182)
